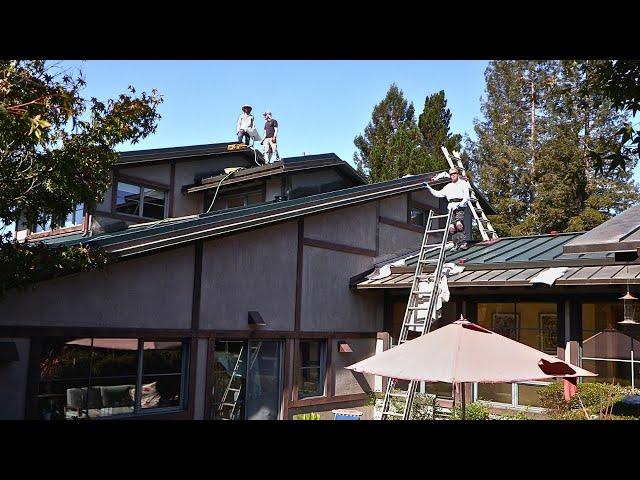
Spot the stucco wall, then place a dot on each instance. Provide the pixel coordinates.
(327, 302)
(186, 171)
(347, 381)
(13, 381)
(147, 292)
(199, 362)
(394, 208)
(353, 226)
(255, 270)
(393, 239)
(159, 173)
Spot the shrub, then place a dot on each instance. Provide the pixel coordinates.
(600, 400)
(307, 416)
(473, 411)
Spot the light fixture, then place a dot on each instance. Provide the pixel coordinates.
(629, 306)
(344, 347)
(255, 319)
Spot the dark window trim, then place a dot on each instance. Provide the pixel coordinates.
(56, 230)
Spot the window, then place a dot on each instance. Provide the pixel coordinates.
(83, 378)
(419, 216)
(532, 323)
(608, 350)
(313, 359)
(234, 200)
(76, 217)
(141, 201)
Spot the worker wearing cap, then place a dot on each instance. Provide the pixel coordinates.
(457, 194)
(270, 136)
(245, 122)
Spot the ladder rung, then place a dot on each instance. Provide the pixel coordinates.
(234, 389)
(403, 395)
(427, 276)
(393, 414)
(439, 216)
(418, 308)
(436, 230)
(229, 404)
(414, 324)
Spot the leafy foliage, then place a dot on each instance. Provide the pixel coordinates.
(57, 150)
(473, 411)
(433, 123)
(24, 264)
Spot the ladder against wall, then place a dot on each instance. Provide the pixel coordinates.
(484, 225)
(420, 311)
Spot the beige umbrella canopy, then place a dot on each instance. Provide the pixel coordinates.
(466, 352)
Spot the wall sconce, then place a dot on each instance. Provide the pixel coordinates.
(344, 347)
(255, 320)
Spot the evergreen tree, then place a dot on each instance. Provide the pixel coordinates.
(433, 123)
(541, 122)
(390, 146)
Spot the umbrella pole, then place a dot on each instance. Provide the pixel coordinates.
(462, 400)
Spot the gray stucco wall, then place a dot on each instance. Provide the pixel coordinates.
(393, 239)
(13, 381)
(327, 302)
(200, 364)
(348, 382)
(250, 271)
(148, 292)
(160, 173)
(353, 226)
(191, 204)
(394, 208)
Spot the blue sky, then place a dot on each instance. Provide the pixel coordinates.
(320, 105)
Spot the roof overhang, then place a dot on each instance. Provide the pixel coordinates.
(160, 155)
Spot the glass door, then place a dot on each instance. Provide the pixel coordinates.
(229, 379)
(264, 380)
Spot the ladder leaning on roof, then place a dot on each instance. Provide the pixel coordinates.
(235, 391)
(484, 225)
(419, 301)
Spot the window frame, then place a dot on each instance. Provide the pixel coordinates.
(141, 184)
(138, 411)
(58, 224)
(323, 368)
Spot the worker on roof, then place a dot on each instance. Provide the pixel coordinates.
(245, 122)
(270, 136)
(457, 194)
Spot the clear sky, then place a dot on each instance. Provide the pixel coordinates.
(320, 105)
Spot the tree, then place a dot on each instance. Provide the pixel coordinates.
(57, 150)
(533, 156)
(433, 123)
(389, 147)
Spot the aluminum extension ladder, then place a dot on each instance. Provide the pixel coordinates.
(236, 390)
(484, 225)
(419, 301)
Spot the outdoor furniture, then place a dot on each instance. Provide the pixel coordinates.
(346, 414)
(464, 352)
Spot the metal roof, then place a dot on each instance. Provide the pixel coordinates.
(288, 164)
(174, 153)
(513, 261)
(620, 234)
(174, 231)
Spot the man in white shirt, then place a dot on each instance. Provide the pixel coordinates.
(245, 122)
(457, 193)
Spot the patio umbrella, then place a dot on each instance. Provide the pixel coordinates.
(123, 344)
(465, 352)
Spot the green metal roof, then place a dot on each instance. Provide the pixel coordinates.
(518, 250)
(173, 231)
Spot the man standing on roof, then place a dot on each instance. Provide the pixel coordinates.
(245, 122)
(457, 193)
(270, 136)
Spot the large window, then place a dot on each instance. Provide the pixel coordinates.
(234, 200)
(532, 323)
(141, 201)
(76, 217)
(313, 359)
(82, 378)
(609, 349)
(247, 379)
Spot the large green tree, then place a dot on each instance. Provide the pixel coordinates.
(57, 149)
(433, 123)
(533, 155)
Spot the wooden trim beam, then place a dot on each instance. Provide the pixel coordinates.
(197, 286)
(405, 226)
(336, 247)
(313, 401)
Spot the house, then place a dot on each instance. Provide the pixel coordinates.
(233, 308)
(576, 317)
